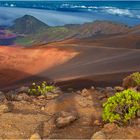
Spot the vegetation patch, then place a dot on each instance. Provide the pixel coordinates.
(122, 107)
(41, 89)
(132, 80)
(136, 77)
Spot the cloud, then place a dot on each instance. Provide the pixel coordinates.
(56, 18)
(53, 18)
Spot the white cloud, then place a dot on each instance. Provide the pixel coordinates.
(7, 15)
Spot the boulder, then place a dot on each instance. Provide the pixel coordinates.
(98, 135)
(65, 118)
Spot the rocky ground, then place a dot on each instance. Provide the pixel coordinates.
(59, 115)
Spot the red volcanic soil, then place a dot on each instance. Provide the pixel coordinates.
(18, 63)
(78, 63)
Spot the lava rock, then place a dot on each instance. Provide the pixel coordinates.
(118, 88)
(22, 89)
(65, 118)
(10, 95)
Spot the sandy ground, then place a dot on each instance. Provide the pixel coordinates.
(104, 61)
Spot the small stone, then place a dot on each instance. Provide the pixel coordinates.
(109, 94)
(98, 135)
(84, 102)
(22, 89)
(93, 88)
(57, 90)
(2, 97)
(22, 97)
(101, 96)
(43, 108)
(90, 97)
(35, 136)
(70, 89)
(85, 93)
(41, 97)
(5, 108)
(110, 127)
(10, 95)
(65, 118)
(119, 88)
(109, 89)
(78, 92)
(100, 89)
(97, 122)
(51, 96)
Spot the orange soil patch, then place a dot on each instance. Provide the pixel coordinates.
(30, 60)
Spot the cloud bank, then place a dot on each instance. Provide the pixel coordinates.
(57, 18)
(53, 18)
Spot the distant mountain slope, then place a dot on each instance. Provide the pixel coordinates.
(98, 28)
(32, 31)
(28, 25)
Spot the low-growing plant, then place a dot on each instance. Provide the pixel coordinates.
(41, 89)
(122, 107)
(136, 77)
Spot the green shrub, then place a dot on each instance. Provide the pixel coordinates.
(122, 107)
(136, 77)
(132, 80)
(41, 89)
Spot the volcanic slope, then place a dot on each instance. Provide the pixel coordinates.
(102, 58)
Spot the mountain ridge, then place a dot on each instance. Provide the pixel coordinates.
(32, 31)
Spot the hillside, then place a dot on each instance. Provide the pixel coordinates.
(28, 25)
(32, 31)
(98, 52)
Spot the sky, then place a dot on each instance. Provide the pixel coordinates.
(69, 0)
